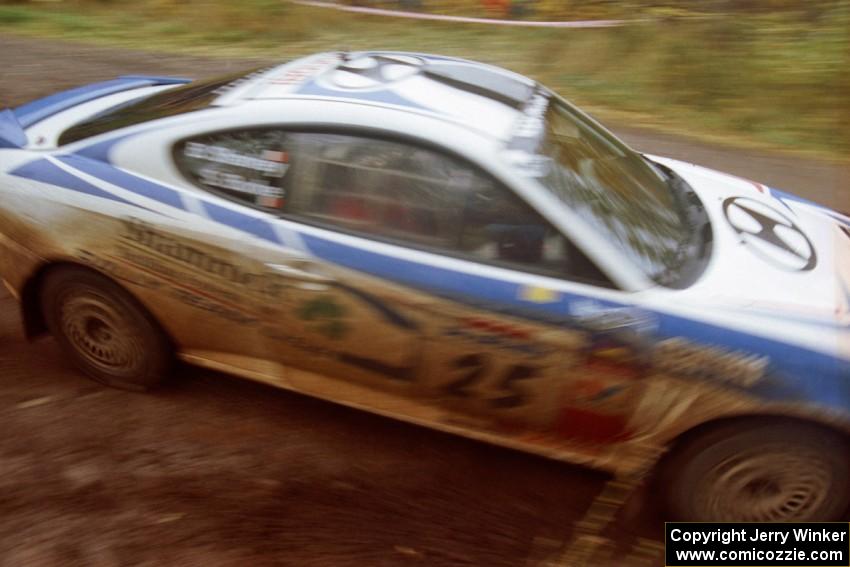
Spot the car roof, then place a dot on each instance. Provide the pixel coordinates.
(488, 99)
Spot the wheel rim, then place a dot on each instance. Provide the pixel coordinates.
(770, 485)
(101, 334)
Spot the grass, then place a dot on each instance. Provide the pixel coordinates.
(772, 80)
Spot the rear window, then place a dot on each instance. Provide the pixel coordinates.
(197, 95)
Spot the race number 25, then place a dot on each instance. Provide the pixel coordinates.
(476, 369)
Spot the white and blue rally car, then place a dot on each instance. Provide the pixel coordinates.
(446, 243)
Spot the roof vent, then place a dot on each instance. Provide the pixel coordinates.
(482, 81)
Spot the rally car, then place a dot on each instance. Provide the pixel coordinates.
(450, 244)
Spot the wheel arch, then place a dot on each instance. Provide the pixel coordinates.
(751, 420)
(32, 315)
(673, 479)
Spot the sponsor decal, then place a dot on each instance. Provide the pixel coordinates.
(269, 201)
(299, 74)
(280, 157)
(681, 357)
(273, 164)
(499, 342)
(235, 182)
(198, 301)
(116, 269)
(599, 317)
(496, 327)
(142, 270)
(143, 236)
(405, 373)
(617, 362)
(499, 335)
(298, 342)
(536, 294)
(770, 234)
(326, 316)
(141, 262)
(593, 392)
(602, 396)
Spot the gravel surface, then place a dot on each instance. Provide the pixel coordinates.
(220, 471)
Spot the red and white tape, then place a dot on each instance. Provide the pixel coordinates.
(443, 18)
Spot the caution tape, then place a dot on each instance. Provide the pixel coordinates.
(460, 19)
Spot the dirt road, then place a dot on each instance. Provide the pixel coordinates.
(217, 471)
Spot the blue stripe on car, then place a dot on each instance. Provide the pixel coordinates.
(240, 221)
(441, 281)
(224, 215)
(783, 196)
(791, 197)
(382, 96)
(100, 150)
(125, 180)
(795, 373)
(46, 172)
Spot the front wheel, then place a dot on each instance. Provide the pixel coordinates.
(110, 336)
(762, 471)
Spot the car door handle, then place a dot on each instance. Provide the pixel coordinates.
(301, 272)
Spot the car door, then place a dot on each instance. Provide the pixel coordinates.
(204, 278)
(458, 280)
(325, 321)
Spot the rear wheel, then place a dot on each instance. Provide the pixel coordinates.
(763, 471)
(110, 336)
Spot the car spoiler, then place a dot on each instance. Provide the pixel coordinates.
(28, 114)
(11, 133)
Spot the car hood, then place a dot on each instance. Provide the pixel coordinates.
(774, 255)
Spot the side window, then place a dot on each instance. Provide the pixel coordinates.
(247, 166)
(379, 188)
(498, 226)
(399, 192)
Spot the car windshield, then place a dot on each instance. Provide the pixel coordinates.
(642, 207)
(196, 95)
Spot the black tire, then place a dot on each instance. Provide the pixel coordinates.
(105, 330)
(757, 471)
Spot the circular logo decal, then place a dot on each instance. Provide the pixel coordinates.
(373, 72)
(770, 234)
